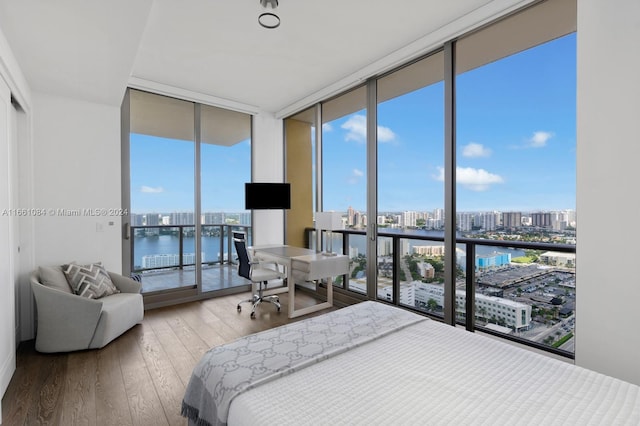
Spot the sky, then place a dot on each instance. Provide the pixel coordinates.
(516, 147)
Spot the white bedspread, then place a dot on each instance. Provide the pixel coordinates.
(226, 371)
(431, 373)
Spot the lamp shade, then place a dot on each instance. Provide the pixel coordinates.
(328, 221)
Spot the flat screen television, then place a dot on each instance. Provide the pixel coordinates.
(262, 196)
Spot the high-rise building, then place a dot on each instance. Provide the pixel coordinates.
(409, 219)
(541, 220)
(351, 216)
(489, 221)
(385, 246)
(212, 218)
(182, 218)
(137, 219)
(151, 219)
(511, 220)
(465, 221)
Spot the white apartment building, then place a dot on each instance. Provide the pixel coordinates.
(165, 260)
(465, 221)
(514, 314)
(409, 218)
(429, 250)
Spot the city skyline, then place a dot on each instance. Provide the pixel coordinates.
(557, 220)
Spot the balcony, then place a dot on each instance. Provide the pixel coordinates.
(164, 256)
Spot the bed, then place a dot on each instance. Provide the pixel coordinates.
(372, 363)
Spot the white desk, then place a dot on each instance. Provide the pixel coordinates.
(304, 265)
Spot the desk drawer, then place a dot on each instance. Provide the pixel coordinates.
(318, 266)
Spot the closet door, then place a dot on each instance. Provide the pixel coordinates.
(7, 297)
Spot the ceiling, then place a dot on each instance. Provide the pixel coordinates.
(92, 50)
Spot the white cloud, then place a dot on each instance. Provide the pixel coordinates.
(385, 134)
(356, 174)
(151, 190)
(473, 179)
(539, 139)
(326, 127)
(356, 127)
(473, 149)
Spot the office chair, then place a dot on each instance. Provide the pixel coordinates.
(258, 275)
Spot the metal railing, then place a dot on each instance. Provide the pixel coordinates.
(221, 231)
(470, 248)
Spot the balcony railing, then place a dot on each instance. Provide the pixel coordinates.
(467, 284)
(177, 248)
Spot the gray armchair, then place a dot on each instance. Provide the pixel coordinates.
(68, 322)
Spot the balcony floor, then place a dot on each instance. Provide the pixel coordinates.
(214, 277)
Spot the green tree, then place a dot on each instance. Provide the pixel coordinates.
(432, 305)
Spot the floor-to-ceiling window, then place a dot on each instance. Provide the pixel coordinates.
(162, 156)
(344, 175)
(410, 189)
(480, 135)
(225, 166)
(516, 174)
(187, 166)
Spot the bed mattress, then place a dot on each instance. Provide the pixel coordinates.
(372, 363)
(431, 373)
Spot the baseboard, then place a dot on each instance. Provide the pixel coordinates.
(6, 372)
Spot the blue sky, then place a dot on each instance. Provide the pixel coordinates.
(516, 147)
(162, 175)
(515, 132)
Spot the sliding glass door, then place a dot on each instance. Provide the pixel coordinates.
(225, 166)
(410, 179)
(344, 175)
(185, 169)
(162, 158)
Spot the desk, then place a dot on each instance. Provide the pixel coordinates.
(304, 265)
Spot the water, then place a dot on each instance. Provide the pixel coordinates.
(169, 244)
(359, 242)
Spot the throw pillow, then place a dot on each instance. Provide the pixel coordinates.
(91, 281)
(53, 277)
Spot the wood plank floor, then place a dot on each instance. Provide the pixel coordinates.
(139, 378)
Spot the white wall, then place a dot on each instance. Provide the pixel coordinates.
(7, 240)
(268, 166)
(608, 293)
(76, 166)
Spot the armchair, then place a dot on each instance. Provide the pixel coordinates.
(68, 322)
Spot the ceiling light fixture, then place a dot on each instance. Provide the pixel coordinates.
(269, 19)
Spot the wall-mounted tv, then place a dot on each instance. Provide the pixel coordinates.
(262, 195)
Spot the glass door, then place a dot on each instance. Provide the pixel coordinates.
(162, 153)
(410, 184)
(184, 169)
(225, 166)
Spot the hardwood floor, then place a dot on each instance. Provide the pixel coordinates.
(139, 378)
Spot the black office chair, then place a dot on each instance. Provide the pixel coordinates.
(258, 275)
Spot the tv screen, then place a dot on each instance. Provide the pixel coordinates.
(260, 196)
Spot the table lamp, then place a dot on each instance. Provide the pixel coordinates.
(328, 221)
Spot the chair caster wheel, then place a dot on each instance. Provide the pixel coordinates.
(278, 308)
(239, 308)
(253, 315)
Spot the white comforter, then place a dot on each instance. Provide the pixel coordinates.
(431, 373)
